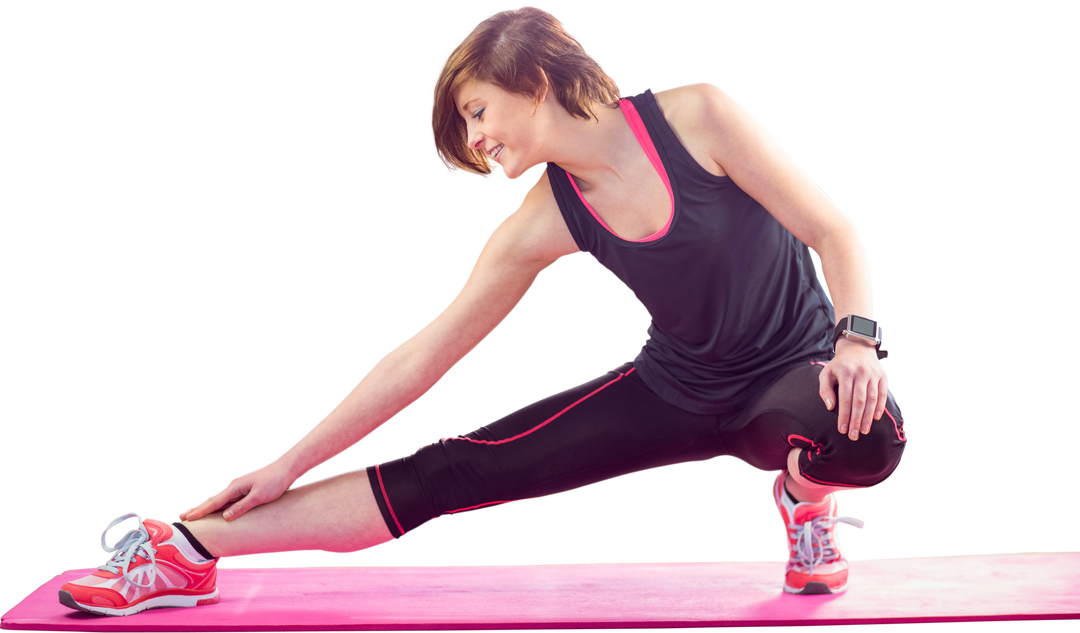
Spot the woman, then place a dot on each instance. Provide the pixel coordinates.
(686, 201)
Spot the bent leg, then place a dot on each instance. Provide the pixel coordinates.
(789, 428)
(336, 515)
(800, 487)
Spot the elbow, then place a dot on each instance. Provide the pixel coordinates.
(840, 236)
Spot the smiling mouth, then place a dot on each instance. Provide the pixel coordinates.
(494, 153)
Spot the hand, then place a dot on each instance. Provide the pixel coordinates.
(863, 387)
(243, 494)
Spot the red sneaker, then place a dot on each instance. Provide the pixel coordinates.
(815, 564)
(153, 567)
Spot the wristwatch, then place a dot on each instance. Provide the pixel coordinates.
(861, 329)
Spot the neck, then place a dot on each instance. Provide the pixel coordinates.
(593, 151)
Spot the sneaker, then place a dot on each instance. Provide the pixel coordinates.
(153, 567)
(815, 564)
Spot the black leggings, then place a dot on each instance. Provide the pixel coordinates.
(615, 425)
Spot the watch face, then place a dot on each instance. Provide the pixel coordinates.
(866, 327)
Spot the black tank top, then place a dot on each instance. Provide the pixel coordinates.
(733, 295)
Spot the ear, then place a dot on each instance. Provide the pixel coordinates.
(544, 86)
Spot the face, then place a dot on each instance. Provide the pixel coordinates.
(504, 125)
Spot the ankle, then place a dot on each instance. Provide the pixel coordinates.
(802, 493)
(199, 549)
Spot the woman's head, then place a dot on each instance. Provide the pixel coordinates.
(523, 52)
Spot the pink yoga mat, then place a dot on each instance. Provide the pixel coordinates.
(965, 588)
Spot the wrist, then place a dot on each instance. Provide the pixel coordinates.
(846, 344)
(291, 464)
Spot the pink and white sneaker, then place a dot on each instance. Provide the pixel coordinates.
(815, 564)
(153, 567)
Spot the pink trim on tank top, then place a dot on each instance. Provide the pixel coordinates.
(637, 126)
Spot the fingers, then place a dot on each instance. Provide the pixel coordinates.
(239, 508)
(861, 393)
(883, 398)
(855, 415)
(209, 506)
(839, 386)
(861, 408)
(826, 389)
(826, 380)
(198, 512)
(829, 386)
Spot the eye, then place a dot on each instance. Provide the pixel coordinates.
(478, 114)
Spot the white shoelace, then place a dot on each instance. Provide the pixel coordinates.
(813, 545)
(134, 543)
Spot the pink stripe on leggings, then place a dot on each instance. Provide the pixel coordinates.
(389, 507)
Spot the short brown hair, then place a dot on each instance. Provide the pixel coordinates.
(515, 50)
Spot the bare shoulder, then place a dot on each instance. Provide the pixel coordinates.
(696, 104)
(686, 108)
(693, 96)
(537, 230)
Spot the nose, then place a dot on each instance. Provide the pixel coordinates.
(476, 140)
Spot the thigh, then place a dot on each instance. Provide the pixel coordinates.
(790, 414)
(604, 428)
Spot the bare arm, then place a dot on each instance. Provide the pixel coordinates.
(847, 272)
(389, 388)
(501, 277)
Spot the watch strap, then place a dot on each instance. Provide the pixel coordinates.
(839, 331)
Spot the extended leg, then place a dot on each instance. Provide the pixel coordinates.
(800, 487)
(337, 515)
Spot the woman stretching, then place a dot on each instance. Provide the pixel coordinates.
(684, 198)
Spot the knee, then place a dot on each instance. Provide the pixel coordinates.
(873, 468)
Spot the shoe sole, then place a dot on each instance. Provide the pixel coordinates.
(161, 602)
(814, 589)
